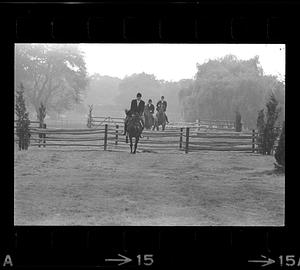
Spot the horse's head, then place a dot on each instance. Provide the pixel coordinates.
(160, 110)
(134, 118)
(134, 126)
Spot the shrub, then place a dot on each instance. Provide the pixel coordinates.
(280, 151)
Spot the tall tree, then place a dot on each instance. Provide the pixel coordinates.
(53, 74)
(280, 151)
(266, 128)
(23, 121)
(270, 132)
(260, 124)
(42, 114)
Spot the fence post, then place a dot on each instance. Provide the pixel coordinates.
(253, 140)
(117, 135)
(44, 135)
(40, 134)
(105, 137)
(180, 138)
(187, 140)
(90, 117)
(198, 125)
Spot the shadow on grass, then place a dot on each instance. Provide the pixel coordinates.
(275, 172)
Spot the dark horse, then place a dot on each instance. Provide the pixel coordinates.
(149, 119)
(160, 119)
(134, 129)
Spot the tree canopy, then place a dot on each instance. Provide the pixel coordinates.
(52, 74)
(144, 83)
(101, 89)
(227, 84)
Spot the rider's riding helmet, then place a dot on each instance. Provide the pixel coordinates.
(162, 97)
(150, 100)
(138, 95)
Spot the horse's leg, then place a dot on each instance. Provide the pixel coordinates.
(136, 142)
(126, 138)
(146, 122)
(155, 123)
(130, 138)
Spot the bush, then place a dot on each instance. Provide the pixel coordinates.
(280, 151)
(266, 129)
(270, 133)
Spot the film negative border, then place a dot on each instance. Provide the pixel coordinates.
(193, 23)
(169, 247)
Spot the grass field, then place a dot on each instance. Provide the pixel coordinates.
(71, 187)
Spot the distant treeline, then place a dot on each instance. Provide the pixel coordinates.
(116, 94)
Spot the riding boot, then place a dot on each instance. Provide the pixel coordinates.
(142, 122)
(125, 129)
(141, 136)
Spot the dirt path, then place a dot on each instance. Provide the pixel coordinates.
(63, 187)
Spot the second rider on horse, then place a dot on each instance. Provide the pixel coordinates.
(137, 108)
(150, 107)
(162, 103)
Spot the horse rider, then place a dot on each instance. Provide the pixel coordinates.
(137, 108)
(150, 107)
(162, 102)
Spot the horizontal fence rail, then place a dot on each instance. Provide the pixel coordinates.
(96, 121)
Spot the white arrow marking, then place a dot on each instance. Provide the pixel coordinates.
(123, 260)
(266, 262)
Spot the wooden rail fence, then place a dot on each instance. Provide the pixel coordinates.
(108, 137)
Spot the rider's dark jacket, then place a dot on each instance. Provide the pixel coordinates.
(134, 109)
(161, 103)
(150, 108)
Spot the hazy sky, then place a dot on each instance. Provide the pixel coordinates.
(175, 61)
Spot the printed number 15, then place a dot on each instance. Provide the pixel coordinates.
(147, 259)
(289, 260)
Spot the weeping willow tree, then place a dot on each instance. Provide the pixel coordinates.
(223, 84)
